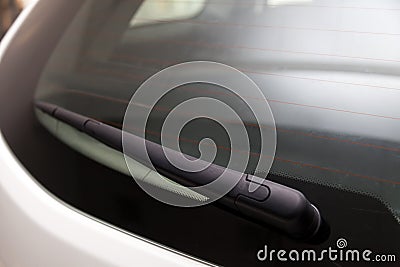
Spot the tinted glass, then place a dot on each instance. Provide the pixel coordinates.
(332, 89)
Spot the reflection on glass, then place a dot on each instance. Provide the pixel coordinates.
(153, 11)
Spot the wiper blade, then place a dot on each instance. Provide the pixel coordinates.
(271, 204)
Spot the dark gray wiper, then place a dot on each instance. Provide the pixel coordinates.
(271, 204)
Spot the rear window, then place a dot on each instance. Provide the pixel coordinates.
(329, 70)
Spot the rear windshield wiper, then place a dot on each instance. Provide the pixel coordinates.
(271, 204)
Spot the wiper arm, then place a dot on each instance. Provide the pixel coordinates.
(271, 204)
